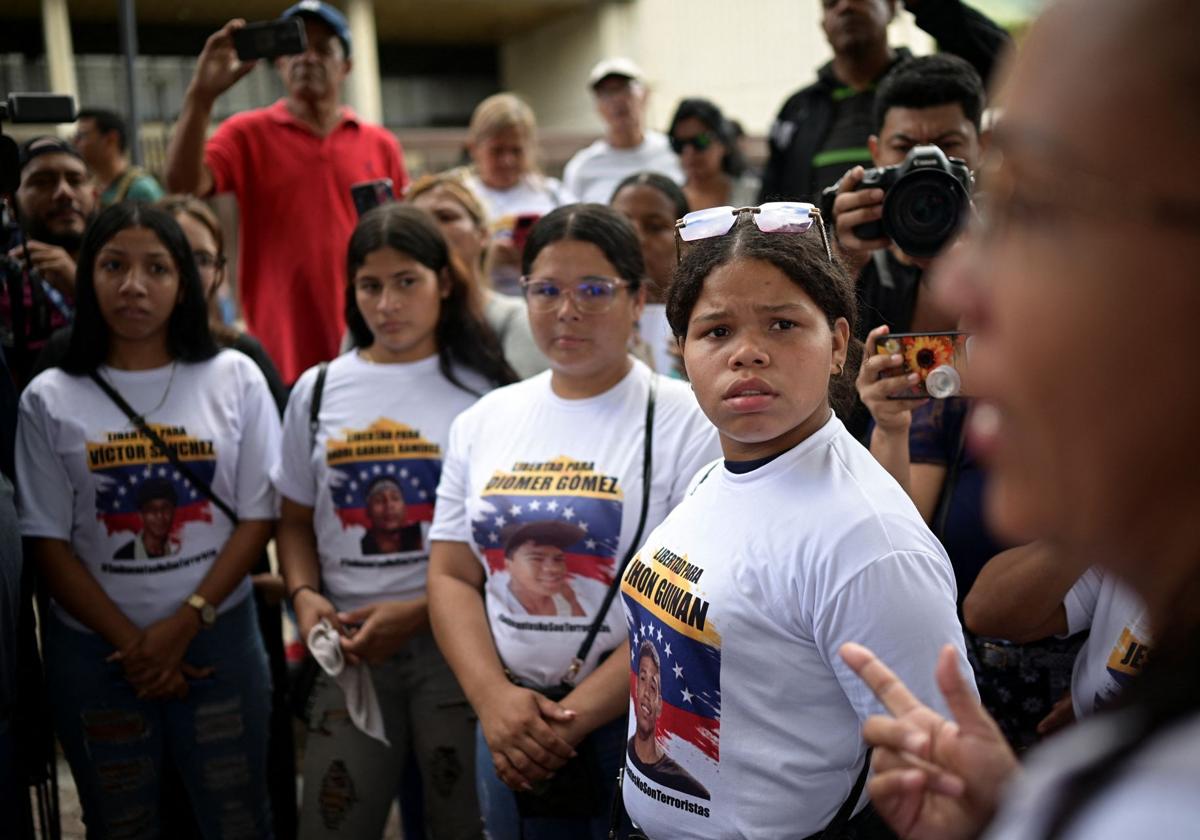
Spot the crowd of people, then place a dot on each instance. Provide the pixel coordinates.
(633, 504)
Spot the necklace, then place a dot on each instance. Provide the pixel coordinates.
(166, 392)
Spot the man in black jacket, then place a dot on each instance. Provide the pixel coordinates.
(822, 130)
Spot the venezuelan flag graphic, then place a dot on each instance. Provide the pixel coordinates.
(386, 456)
(132, 473)
(670, 627)
(563, 503)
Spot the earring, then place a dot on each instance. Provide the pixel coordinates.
(841, 367)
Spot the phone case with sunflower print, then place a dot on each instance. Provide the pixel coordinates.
(925, 353)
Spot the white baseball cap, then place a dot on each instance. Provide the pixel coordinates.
(616, 66)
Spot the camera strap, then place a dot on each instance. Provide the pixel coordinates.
(647, 463)
(143, 427)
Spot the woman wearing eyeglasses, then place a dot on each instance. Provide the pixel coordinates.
(713, 167)
(553, 467)
(793, 544)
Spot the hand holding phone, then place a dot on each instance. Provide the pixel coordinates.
(370, 194)
(270, 39)
(937, 360)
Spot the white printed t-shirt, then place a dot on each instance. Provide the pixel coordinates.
(523, 456)
(1118, 645)
(744, 595)
(533, 194)
(374, 469)
(594, 172)
(89, 477)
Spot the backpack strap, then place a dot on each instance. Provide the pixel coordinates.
(314, 408)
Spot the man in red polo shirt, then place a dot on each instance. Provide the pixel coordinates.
(291, 166)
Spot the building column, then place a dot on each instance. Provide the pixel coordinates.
(60, 53)
(365, 94)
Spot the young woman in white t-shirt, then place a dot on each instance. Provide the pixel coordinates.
(152, 653)
(358, 484)
(744, 721)
(540, 501)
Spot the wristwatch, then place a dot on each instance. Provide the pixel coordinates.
(208, 613)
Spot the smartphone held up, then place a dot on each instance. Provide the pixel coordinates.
(938, 359)
(270, 39)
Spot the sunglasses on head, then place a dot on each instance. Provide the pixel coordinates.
(700, 142)
(772, 217)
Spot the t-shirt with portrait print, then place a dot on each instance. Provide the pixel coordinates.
(546, 491)
(371, 472)
(142, 529)
(744, 721)
(1118, 645)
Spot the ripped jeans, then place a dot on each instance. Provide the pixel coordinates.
(216, 737)
(351, 780)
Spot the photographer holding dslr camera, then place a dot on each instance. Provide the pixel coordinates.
(892, 220)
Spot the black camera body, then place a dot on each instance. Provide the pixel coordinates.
(926, 200)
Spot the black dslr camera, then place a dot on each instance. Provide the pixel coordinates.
(925, 201)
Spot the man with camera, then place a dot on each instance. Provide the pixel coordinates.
(291, 166)
(54, 203)
(890, 221)
(822, 128)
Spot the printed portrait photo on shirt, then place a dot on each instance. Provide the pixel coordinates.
(142, 497)
(675, 678)
(549, 534)
(383, 481)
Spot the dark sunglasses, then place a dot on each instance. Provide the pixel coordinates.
(700, 142)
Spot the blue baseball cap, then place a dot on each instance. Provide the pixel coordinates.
(325, 13)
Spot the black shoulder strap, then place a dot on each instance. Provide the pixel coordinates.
(945, 497)
(143, 427)
(647, 469)
(314, 407)
(837, 825)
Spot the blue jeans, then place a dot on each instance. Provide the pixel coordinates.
(216, 737)
(498, 803)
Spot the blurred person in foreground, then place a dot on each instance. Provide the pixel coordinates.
(823, 128)
(1085, 450)
(619, 88)
(102, 139)
(291, 166)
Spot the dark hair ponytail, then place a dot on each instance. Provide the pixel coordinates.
(803, 259)
(461, 334)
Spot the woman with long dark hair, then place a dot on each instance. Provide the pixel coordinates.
(546, 487)
(363, 442)
(652, 202)
(143, 463)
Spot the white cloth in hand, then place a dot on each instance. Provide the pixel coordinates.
(354, 680)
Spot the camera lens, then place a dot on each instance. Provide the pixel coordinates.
(923, 210)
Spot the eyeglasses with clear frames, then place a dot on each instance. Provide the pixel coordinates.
(591, 295)
(772, 217)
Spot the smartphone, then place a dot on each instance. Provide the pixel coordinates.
(938, 358)
(270, 39)
(521, 227)
(370, 194)
(39, 108)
